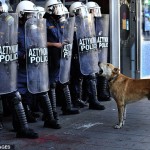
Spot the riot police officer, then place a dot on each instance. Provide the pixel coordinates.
(33, 55)
(55, 17)
(86, 51)
(102, 83)
(8, 71)
(76, 82)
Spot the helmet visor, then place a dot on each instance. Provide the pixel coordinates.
(59, 9)
(96, 11)
(82, 11)
(30, 14)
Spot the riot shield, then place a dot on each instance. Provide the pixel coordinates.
(87, 47)
(102, 31)
(36, 55)
(8, 52)
(66, 51)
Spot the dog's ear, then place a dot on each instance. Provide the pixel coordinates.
(116, 70)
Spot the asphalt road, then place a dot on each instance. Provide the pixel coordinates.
(89, 130)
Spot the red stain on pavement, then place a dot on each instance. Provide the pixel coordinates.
(57, 139)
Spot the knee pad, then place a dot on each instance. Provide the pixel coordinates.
(15, 98)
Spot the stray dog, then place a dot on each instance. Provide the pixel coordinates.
(124, 89)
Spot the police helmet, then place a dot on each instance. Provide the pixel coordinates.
(54, 7)
(79, 8)
(26, 7)
(41, 11)
(66, 12)
(3, 7)
(94, 8)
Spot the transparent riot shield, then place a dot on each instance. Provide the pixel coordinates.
(36, 55)
(102, 31)
(8, 52)
(87, 46)
(66, 52)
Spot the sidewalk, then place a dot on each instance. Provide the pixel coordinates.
(89, 130)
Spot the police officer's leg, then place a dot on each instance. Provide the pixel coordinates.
(102, 89)
(19, 119)
(67, 105)
(25, 95)
(6, 106)
(49, 121)
(27, 100)
(1, 114)
(76, 81)
(76, 89)
(92, 89)
(53, 99)
(79, 100)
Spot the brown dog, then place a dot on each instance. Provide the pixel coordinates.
(124, 89)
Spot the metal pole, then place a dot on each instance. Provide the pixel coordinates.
(115, 32)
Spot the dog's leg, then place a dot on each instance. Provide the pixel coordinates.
(124, 114)
(121, 113)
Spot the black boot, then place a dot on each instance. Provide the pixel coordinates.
(93, 101)
(49, 121)
(67, 109)
(19, 120)
(53, 100)
(79, 102)
(27, 133)
(29, 114)
(102, 89)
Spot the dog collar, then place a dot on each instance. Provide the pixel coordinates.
(113, 79)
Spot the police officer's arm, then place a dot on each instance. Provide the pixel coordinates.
(51, 44)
